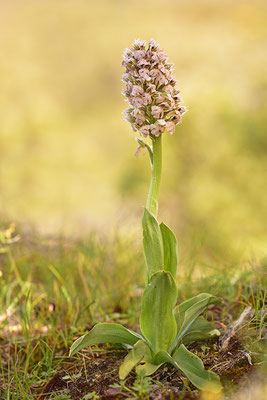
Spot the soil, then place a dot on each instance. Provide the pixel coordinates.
(97, 371)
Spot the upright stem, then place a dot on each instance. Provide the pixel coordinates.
(152, 198)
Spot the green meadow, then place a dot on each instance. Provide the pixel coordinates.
(73, 192)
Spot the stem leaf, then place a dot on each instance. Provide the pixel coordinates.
(157, 319)
(153, 243)
(170, 250)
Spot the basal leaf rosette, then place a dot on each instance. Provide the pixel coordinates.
(150, 90)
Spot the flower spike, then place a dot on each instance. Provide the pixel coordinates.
(150, 90)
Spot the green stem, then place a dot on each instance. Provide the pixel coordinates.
(152, 198)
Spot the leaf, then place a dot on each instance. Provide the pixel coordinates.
(193, 369)
(187, 313)
(202, 297)
(143, 145)
(137, 353)
(196, 309)
(105, 333)
(157, 321)
(162, 357)
(169, 249)
(148, 368)
(91, 395)
(153, 243)
(201, 324)
(201, 329)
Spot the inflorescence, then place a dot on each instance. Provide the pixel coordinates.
(150, 90)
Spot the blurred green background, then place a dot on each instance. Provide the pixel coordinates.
(67, 160)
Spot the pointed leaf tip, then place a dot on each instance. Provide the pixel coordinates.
(193, 369)
(169, 249)
(153, 243)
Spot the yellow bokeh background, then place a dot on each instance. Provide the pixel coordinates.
(67, 157)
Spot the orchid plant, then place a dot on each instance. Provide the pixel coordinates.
(165, 327)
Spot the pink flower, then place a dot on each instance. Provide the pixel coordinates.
(170, 126)
(156, 129)
(177, 118)
(169, 89)
(155, 58)
(125, 77)
(145, 130)
(134, 127)
(162, 68)
(142, 62)
(137, 90)
(161, 122)
(139, 117)
(160, 98)
(182, 110)
(129, 86)
(138, 44)
(178, 100)
(151, 87)
(161, 80)
(138, 150)
(144, 73)
(136, 101)
(139, 54)
(156, 111)
(154, 73)
(162, 56)
(128, 116)
(147, 99)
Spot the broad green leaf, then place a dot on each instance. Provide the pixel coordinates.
(169, 249)
(148, 368)
(198, 336)
(196, 309)
(147, 365)
(201, 329)
(203, 298)
(193, 369)
(153, 243)
(137, 353)
(201, 324)
(105, 333)
(157, 321)
(162, 357)
(186, 314)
